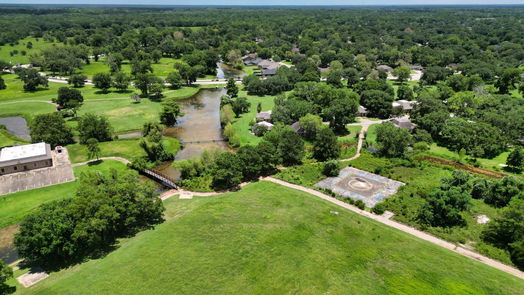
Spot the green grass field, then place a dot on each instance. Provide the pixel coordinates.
(125, 148)
(242, 127)
(420, 180)
(371, 134)
(445, 153)
(22, 46)
(162, 68)
(268, 239)
(13, 207)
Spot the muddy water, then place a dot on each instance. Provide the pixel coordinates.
(17, 126)
(198, 130)
(225, 72)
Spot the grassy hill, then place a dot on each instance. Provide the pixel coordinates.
(268, 239)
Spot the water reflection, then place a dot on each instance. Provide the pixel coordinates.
(225, 72)
(198, 130)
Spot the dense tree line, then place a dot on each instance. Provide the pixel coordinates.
(105, 208)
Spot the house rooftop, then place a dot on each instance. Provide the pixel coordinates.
(264, 115)
(23, 151)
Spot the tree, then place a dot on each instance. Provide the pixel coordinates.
(114, 60)
(52, 129)
(240, 106)
(290, 147)
(392, 141)
(310, 124)
(102, 81)
(31, 78)
(105, 208)
(144, 82)
(188, 73)
(403, 73)
(501, 191)
(231, 87)
(170, 112)
(93, 148)
(152, 131)
(252, 162)
(259, 107)
(69, 98)
(507, 231)
(378, 103)
(2, 83)
(121, 81)
(77, 80)
(156, 88)
(331, 168)
(174, 79)
(326, 145)
(405, 93)
(226, 115)
(6, 273)
(352, 76)
(434, 74)
(342, 111)
(444, 205)
(334, 78)
(516, 159)
(94, 126)
(227, 171)
(269, 154)
(508, 80)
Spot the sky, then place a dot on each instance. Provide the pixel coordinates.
(269, 2)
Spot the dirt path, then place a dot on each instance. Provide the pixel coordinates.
(364, 123)
(407, 229)
(22, 101)
(120, 159)
(384, 220)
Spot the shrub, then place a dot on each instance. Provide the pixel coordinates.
(331, 168)
(379, 209)
(360, 204)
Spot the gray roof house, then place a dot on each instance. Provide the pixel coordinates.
(384, 68)
(362, 111)
(403, 122)
(404, 104)
(264, 116)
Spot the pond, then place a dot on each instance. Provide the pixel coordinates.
(198, 130)
(225, 72)
(16, 125)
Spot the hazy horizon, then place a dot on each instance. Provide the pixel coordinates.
(268, 2)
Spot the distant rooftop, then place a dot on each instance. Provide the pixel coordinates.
(23, 151)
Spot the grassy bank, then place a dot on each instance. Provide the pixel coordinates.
(268, 239)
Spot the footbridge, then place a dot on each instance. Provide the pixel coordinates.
(160, 177)
(203, 141)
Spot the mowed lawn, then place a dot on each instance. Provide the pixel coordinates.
(125, 148)
(241, 124)
(13, 207)
(19, 58)
(268, 239)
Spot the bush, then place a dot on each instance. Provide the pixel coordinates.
(360, 204)
(331, 168)
(379, 209)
